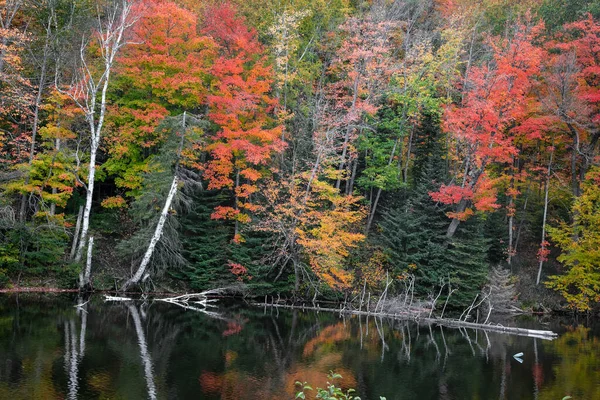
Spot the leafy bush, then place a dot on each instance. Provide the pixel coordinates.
(331, 392)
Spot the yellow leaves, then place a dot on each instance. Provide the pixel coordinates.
(580, 244)
(316, 222)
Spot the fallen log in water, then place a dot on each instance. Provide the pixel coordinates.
(418, 317)
(452, 323)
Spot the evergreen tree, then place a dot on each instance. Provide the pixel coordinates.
(205, 243)
(466, 258)
(414, 230)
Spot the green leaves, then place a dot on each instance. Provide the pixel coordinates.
(580, 243)
(331, 392)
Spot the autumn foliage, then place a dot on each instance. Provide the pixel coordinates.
(315, 145)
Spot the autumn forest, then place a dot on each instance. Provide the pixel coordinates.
(303, 148)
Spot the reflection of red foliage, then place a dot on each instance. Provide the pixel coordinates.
(210, 382)
(538, 374)
(233, 328)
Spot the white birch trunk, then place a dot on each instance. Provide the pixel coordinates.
(89, 93)
(543, 242)
(77, 230)
(84, 278)
(137, 277)
(88, 202)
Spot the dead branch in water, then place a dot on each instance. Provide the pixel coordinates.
(451, 323)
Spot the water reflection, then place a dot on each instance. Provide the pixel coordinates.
(75, 348)
(145, 355)
(50, 349)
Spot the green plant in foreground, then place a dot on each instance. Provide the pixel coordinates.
(332, 392)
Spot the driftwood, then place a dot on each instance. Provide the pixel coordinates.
(451, 323)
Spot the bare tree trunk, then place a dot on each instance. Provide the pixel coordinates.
(54, 190)
(76, 235)
(511, 219)
(462, 206)
(350, 186)
(543, 242)
(296, 275)
(88, 198)
(84, 277)
(236, 230)
(408, 151)
(376, 202)
(372, 213)
(137, 277)
(85, 89)
(347, 135)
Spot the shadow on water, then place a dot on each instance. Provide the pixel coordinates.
(51, 349)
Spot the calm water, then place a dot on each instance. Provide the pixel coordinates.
(51, 350)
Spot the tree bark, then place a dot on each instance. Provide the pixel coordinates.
(137, 277)
(36, 115)
(84, 277)
(543, 241)
(76, 235)
(110, 42)
(376, 202)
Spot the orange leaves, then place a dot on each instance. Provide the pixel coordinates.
(239, 271)
(223, 212)
(484, 198)
(315, 222)
(114, 202)
(240, 104)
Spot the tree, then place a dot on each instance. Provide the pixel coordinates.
(495, 98)
(163, 72)
(361, 70)
(240, 104)
(580, 245)
(89, 89)
(313, 226)
(574, 95)
(413, 226)
(170, 173)
(15, 88)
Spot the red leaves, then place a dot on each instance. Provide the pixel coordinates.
(452, 194)
(240, 104)
(483, 125)
(543, 252)
(239, 270)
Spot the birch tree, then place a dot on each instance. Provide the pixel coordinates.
(175, 163)
(89, 89)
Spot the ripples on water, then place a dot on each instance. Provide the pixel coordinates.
(49, 349)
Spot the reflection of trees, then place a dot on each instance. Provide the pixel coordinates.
(144, 353)
(577, 370)
(244, 353)
(74, 349)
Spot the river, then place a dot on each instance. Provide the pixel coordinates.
(50, 349)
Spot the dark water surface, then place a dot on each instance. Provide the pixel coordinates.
(51, 350)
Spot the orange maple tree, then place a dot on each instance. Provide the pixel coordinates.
(240, 105)
(164, 71)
